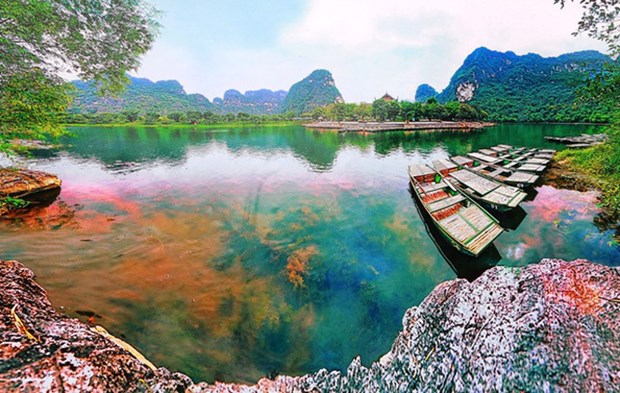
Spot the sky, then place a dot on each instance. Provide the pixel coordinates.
(371, 47)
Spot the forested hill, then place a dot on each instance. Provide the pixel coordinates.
(165, 97)
(527, 88)
(316, 90)
(254, 102)
(141, 95)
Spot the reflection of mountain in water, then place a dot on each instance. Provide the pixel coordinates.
(131, 148)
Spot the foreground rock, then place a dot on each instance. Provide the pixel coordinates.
(553, 326)
(22, 182)
(43, 351)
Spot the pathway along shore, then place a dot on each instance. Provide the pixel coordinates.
(354, 126)
(551, 326)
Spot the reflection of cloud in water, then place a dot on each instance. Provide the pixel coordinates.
(550, 204)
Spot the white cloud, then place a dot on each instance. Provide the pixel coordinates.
(407, 42)
(370, 46)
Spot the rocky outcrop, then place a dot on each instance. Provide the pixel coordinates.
(22, 182)
(43, 351)
(549, 327)
(553, 326)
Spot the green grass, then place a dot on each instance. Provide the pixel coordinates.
(602, 164)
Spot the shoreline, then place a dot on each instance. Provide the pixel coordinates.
(190, 126)
(355, 126)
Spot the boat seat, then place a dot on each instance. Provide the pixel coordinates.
(444, 203)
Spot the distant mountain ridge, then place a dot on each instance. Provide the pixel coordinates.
(527, 88)
(141, 95)
(254, 102)
(165, 97)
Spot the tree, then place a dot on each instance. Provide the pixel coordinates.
(98, 40)
(151, 117)
(380, 109)
(600, 20)
(175, 116)
(31, 105)
(131, 115)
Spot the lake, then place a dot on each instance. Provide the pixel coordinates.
(232, 254)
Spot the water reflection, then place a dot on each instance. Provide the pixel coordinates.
(510, 220)
(132, 148)
(227, 254)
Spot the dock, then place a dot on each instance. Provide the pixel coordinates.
(582, 141)
(355, 126)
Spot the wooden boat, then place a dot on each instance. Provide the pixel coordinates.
(461, 221)
(514, 178)
(525, 166)
(497, 172)
(465, 266)
(491, 193)
(487, 159)
(526, 160)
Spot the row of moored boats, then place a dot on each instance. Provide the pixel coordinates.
(453, 191)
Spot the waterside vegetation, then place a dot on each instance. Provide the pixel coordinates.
(601, 164)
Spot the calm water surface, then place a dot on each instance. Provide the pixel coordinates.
(230, 254)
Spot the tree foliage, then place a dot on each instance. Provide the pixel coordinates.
(31, 105)
(100, 40)
(97, 39)
(600, 20)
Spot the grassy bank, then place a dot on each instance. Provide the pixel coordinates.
(602, 164)
(191, 126)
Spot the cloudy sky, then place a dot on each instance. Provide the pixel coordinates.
(370, 46)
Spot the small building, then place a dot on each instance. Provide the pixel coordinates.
(386, 97)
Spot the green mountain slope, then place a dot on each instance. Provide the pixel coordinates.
(424, 92)
(165, 97)
(141, 95)
(255, 102)
(317, 89)
(527, 88)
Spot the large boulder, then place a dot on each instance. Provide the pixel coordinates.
(22, 182)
